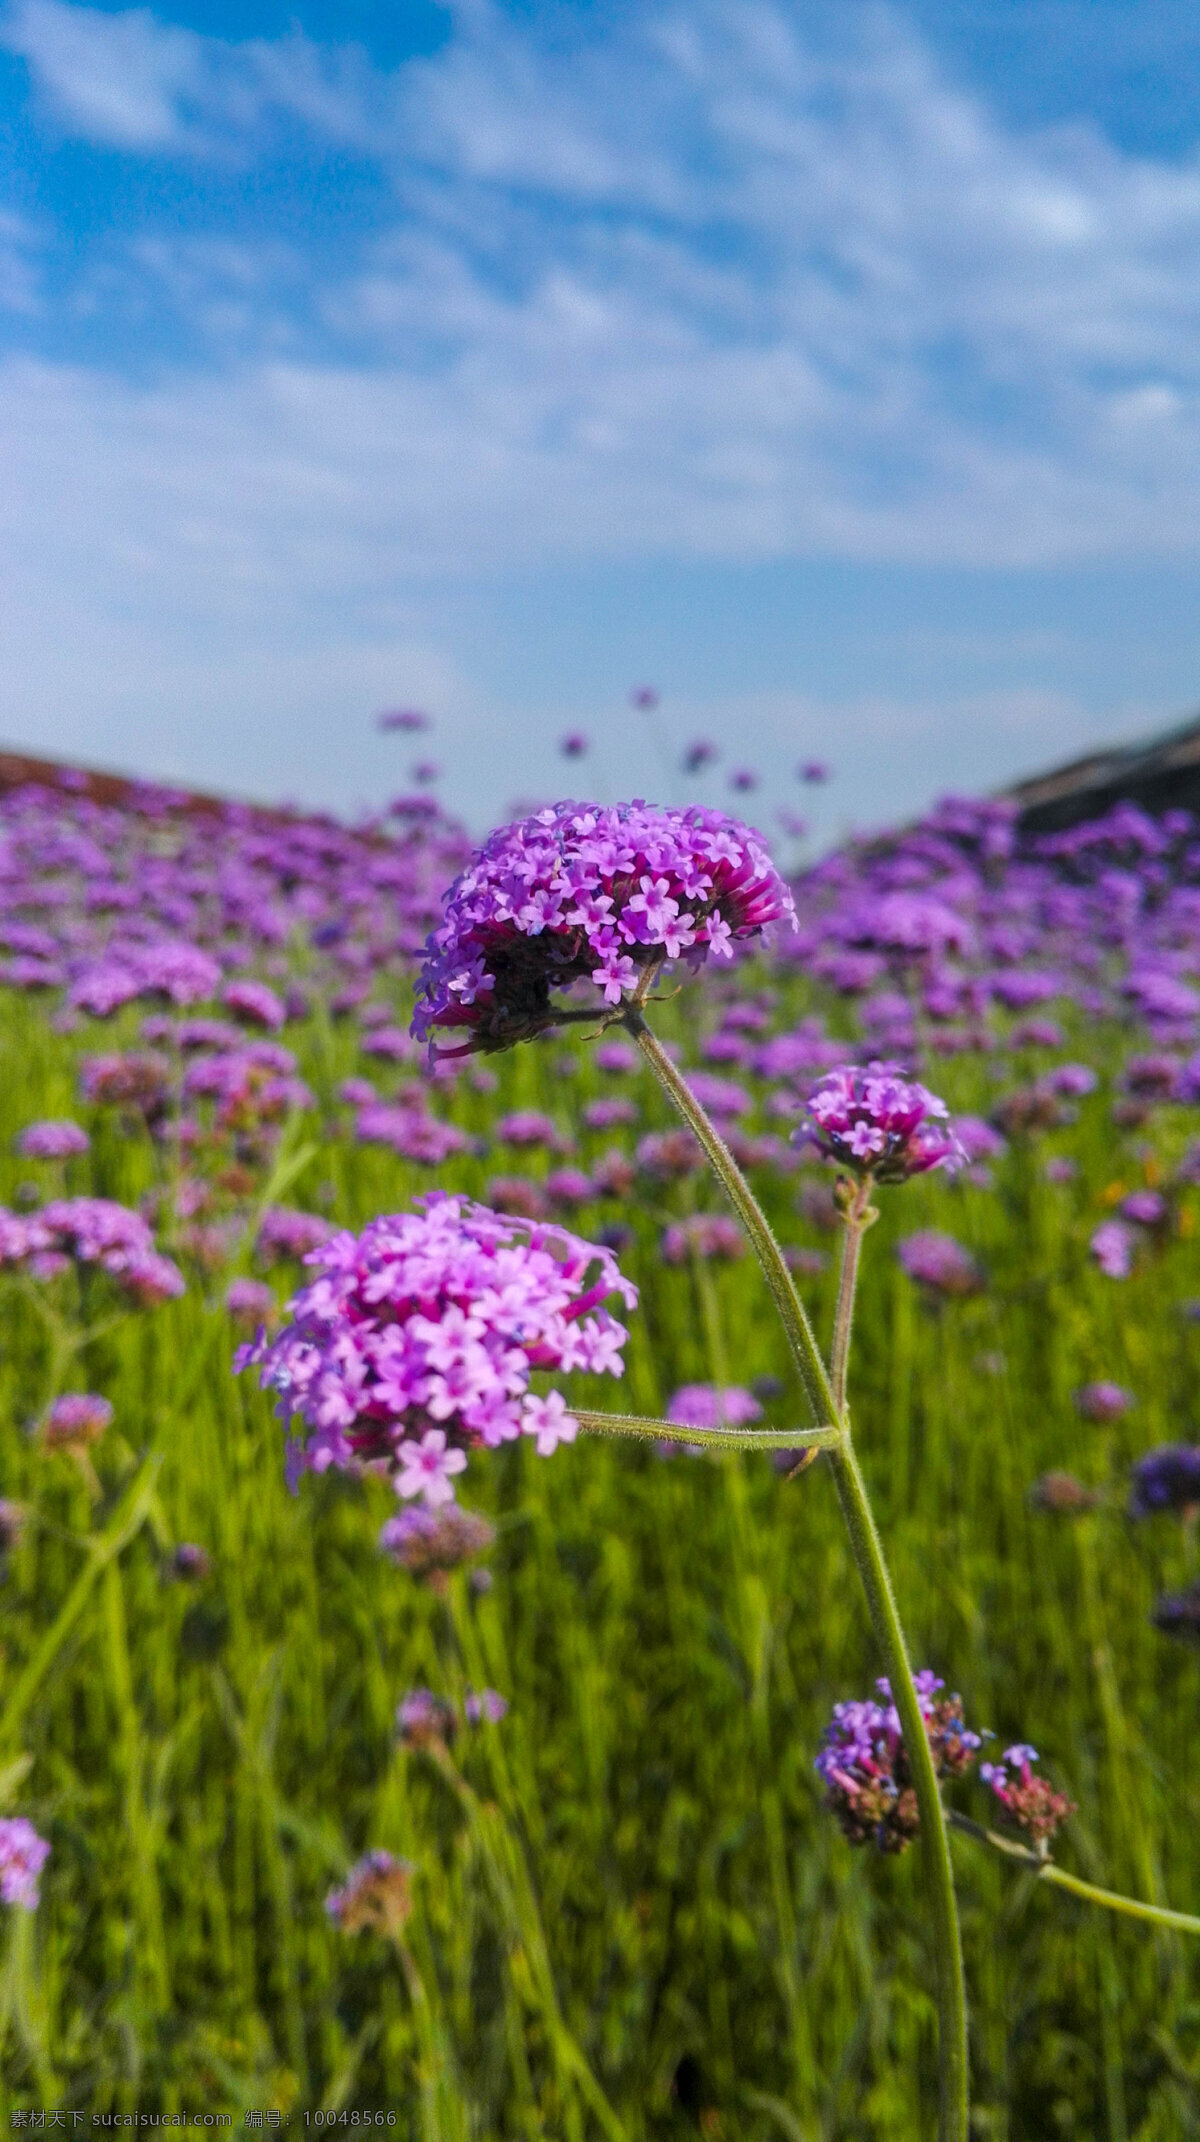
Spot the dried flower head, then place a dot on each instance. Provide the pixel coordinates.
(877, 1122)
(424, 1720)
(76, 1419)
(1063, 1494)
(1031, 1802)
(428, 1542)
(581, 893)
(416, 1341)
(376, 1895)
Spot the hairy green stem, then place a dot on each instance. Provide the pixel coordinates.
(939, 1873)
(649, 1430)
(826, 1393)
(1046, 1870)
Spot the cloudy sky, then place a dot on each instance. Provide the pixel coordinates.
(835, 370)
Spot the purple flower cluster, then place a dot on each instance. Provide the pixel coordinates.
(1166, 1480)
(707, 1405)
(417, 1339)
(878, 1123)
(23, 1854)
(939, 1263)
(75, 1419)
(702, 1234)
(1103, 1401)
(59, 1140)
(90, 1231)
(582, 893)
(864, 1764)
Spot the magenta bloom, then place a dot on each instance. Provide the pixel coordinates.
(416, 1341)
(284, 1232)
(581, 893)
(814, 771)
(23, 1854)
(60, 1140)
(699, 755)
(878, 1123)
(90, 1231)
(573, 744)
(704, 1405)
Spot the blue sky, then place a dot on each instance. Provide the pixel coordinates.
(836, 370)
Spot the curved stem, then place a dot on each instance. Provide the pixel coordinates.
(794, 1317)
(827, 1395)
(649, 1430)
(1036, 1862)
(939, 1873)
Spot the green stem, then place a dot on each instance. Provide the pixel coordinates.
(827, 1395)
(855, 1224)
(1045, 1869)
(793, 1315)
(939, 1873)
(648, 1430)
(1132, 1907)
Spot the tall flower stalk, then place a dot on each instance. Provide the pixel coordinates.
(826, 1388)
(576, 893)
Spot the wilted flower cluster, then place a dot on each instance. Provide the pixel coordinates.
(581, 893)
(879, 1123)
(428, 1542)
(1031, 1802)
(417, 1340)
(376, 1895)
(864, 1764)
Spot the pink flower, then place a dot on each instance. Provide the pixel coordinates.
(428, 1467)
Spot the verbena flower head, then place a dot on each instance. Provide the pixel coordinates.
(1031, 1802)
(1167, 1479)
(376, 1895)
(1103, 1401)
(416, 1342)
(76, 1419)
(864, 1763)
(707, 1405)
(582, 893)
(60, 1140)
(877, 1122)
(486, 1708)
(424, 1720)
(939, 1263)
(23, 1854)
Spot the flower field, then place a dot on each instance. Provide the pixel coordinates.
(570, 1690)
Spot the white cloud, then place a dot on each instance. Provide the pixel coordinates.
(703, 284)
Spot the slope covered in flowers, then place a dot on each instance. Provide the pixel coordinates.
(624, 1903)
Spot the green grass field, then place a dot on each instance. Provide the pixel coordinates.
(632, 1916)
